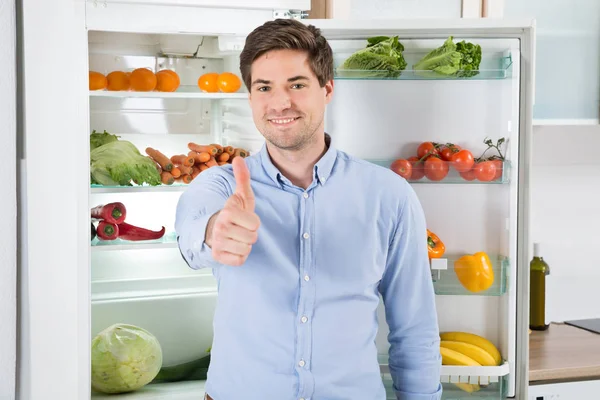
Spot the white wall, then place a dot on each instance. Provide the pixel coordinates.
(565, 200)
(8, 201)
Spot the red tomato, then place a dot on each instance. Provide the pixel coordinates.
(436, 169)
(485, 171)
(462, 161)
(468, 175)
(447, 152)
(418, 170)
(402, 168)
(426, 148)
(499, 167)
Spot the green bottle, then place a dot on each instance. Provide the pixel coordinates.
(537, 293)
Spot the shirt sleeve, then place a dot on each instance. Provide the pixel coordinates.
(205, 196)
(407, 291)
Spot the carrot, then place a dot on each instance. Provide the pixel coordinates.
(219, 148)
(223, 157)
(167, 178)
(158, 168)
(199, 158)
(196, 172)
(229, 150)
(222, 162)
(240, 152)
(176, 172)
(185, 178)
(160, 158)
(185, 170)
(212, 162)
(182, 159)
(198, 148)
(203, 167)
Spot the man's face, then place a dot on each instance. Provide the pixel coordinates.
(288, 105)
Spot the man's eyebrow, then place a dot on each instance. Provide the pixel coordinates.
(260, 81)
(297, 78)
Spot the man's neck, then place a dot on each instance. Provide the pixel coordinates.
(298, 165)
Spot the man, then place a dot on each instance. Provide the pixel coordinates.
(302, 238)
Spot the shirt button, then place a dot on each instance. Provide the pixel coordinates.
(305, 195)
(305, 236)
(301, 363)
(304, 319)
(306, 278)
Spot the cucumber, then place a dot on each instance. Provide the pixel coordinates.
(189, 371)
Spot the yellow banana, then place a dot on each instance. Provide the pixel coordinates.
(474, 340)
(475, 352)
(452, 357)
(468, 387)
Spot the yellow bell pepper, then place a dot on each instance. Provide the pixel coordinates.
(474, 271)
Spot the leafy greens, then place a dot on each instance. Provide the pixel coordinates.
(381, 58)
(460, 60)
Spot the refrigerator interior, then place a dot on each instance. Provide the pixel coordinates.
(149, 285)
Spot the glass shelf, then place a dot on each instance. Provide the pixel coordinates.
(445, 281)
(490, 68)
(453, 175)
(183, 92)
(169, 240)
(176, 187)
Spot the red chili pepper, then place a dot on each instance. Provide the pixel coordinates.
(131, 232)
(107, 230)
(113, 212)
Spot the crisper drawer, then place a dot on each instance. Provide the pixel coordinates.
(458, 382)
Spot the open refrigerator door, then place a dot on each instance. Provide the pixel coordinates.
(176, 96)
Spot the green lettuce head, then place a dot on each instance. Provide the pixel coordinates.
(381, 58)
(124, 358)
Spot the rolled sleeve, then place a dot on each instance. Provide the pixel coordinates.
(407, 291)
(205, 196)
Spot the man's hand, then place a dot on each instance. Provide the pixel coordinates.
(232, 231)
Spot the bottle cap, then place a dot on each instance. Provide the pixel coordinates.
(536, 250)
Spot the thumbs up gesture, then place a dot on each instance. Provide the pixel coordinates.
(232, 231)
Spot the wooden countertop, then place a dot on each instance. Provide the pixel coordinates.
(563, 352)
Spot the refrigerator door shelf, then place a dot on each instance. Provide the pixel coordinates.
(183, 92)
(176, 187)
(446, 281)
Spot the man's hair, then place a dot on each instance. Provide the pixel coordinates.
(292, 35)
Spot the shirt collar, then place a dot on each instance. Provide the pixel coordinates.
(322, 169)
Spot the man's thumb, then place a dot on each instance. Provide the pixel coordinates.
(242, 182)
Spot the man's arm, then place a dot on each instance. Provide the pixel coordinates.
(407, 291)
(196, 211)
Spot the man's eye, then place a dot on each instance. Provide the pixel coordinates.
(298, 86)
(263, 88)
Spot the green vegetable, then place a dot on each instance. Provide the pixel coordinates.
(119, 163)
(98, 139)
(193, 370)
(381, 58)
(460, 60)
(124, 358)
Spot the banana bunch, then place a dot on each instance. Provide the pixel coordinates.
(468, 349)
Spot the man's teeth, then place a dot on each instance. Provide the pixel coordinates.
(282, 121)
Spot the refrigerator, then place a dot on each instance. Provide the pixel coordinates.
(74, 286)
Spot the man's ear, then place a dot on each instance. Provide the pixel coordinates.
(328, 91)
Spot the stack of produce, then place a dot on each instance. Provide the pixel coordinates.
(468, 349)
(139, 80)
(112, 225)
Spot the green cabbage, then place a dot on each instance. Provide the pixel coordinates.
(124, 359)
(119, 163)
(381, 58)
(460, 60)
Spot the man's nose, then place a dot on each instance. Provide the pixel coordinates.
(281, 101)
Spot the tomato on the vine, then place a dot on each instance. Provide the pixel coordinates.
(402, 167)
(426, 148)
(436, 169)
(499, 167)
(447, 151)
(418, 170)
(462, 161)
(468, 175)
(485, 171)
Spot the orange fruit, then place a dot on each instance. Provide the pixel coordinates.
(167, 81)
(208, 82)
(97, 81)
(143, 80)
(117, 80)
(229, 83)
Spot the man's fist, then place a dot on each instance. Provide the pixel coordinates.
(232, 231)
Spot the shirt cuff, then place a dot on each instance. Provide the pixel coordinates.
(417, 396)
(191, 244)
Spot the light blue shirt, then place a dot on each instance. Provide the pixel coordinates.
(299, 319)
